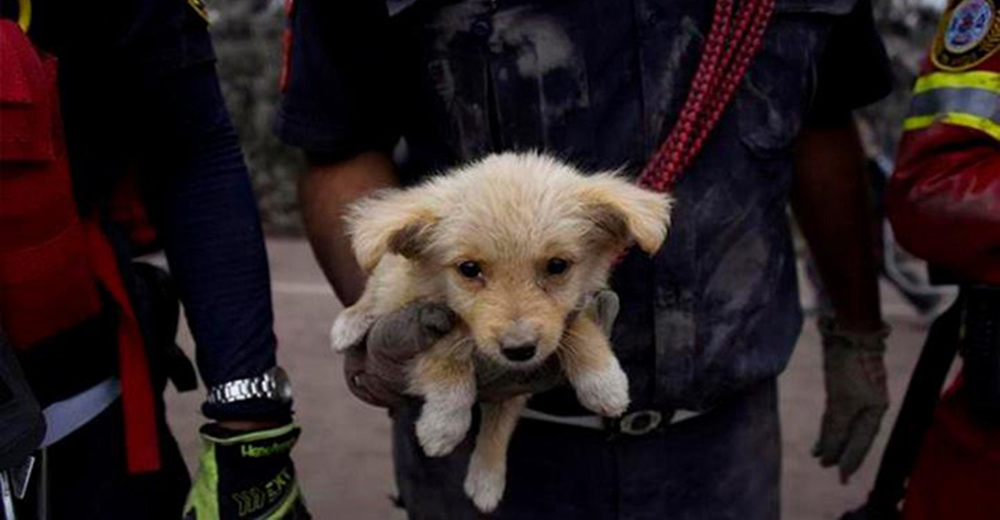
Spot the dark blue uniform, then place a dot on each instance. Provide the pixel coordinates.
(139, 90)
(707, 324)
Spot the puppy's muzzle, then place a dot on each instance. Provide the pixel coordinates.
(519, 353)
(519, 343)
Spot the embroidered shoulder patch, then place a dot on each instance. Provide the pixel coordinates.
(969, 33)
(200, 8)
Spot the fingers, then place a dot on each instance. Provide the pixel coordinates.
(607, 306)
(863, 434)
(500, 386)
(376, 370)
(410, 331)
(369, 386)
(845, 439)
(436, 320)
(832, 437)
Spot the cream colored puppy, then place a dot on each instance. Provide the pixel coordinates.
(514, 244)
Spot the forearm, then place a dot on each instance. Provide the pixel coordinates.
(943, 197)
(206, 215)
(324, 195)
(831, 198)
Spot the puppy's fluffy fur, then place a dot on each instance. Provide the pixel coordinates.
(513, 244)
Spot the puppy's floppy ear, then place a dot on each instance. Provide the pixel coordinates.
(391, 221)
(623, 213)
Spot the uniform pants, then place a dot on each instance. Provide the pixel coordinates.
(725, 464)
(88, 480)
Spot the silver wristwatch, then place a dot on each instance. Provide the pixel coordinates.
(273, 385)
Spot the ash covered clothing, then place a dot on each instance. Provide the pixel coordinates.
(599, 84)
(715, 314)
(139, 92)
(720, 466)
(944, 197)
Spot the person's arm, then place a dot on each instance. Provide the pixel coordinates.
(831, 194)
(831, 198)
(198, 189)
(325, 192)
(196, 185)
(943, 199)
(338, 106)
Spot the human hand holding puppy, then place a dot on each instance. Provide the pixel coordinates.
(376, 369)
(516, 245)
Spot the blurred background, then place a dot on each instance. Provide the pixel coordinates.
(344, 457)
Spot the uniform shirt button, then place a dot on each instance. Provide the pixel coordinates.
(481, 28)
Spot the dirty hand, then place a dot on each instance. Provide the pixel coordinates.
(856, 396)
(497, 384)
(376, 369)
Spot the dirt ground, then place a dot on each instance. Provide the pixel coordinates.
(344, 456)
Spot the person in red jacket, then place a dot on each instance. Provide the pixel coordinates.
(944, 198)
(944, 205)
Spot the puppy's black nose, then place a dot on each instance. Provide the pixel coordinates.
(519, 353)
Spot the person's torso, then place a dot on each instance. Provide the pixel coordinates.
(600, 84)
(105, 53)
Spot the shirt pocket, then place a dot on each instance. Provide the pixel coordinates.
(778, 87)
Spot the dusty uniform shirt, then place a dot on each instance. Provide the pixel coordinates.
(600, 84)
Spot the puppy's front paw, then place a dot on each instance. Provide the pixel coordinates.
(349, 328)
(605, 392)
(440, 432)
(485, 484)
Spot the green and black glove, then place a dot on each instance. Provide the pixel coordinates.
(246, 476)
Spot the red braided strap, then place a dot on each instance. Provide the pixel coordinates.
(732, 43)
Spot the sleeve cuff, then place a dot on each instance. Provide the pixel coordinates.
(249, 410)
(326, 143)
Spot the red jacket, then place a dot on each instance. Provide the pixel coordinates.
(944, 204)
(944, 198)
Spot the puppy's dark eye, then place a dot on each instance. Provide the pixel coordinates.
(557, 266)
(470, 269)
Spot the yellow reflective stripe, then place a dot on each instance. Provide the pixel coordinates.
(919, 122)
(955, 118)
(979, 79)
(254, 435)
(24, 15)
(287, 505)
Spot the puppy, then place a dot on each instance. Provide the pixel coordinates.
(514, 244)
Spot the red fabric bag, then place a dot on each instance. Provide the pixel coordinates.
(43, 249)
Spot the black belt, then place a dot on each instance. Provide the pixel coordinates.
(636, 424)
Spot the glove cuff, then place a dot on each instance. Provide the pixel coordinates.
(225, 437)
(247, 475)
(835, 336)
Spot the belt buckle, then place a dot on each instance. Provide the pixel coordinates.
(640, 422)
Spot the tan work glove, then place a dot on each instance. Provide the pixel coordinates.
(856, 396)
(376, 370)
